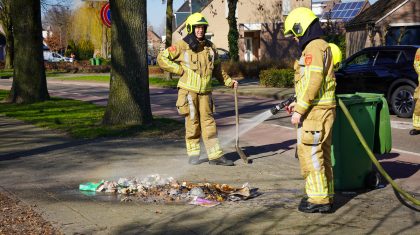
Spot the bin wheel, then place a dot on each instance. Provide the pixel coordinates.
(372, 180)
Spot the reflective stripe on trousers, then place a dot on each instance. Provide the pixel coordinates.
(199, 123)
(416, 115)
(315, 159)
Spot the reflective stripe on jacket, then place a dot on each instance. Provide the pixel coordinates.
(315, 83)
(195, 69)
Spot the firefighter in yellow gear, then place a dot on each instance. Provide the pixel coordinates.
(195, 60)
(336, 54)
(314, 109)
(416, 113)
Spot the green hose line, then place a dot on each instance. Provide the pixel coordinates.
(372, 157)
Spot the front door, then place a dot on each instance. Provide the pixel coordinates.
(248, 49)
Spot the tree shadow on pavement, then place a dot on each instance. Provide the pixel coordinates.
(44, 149)
(278, 218)
(262, 151)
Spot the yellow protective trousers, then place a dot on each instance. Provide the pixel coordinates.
(314, 151)
(199, 122)
(416, 115)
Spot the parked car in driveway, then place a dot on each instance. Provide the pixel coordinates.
(151, 60)
(387, 70)
(55, 57)
(223, 54)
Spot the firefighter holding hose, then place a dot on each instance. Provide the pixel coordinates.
(314, 109)
(195, 59)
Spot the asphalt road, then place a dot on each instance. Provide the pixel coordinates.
(163, 102)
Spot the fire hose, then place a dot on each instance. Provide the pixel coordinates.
(373, 158)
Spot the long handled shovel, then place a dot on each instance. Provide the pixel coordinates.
(241, 153)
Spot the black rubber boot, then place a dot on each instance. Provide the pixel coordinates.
(221, 161)
(308, 207)
(195, 160)
(414, 132)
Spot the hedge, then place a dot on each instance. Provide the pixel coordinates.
(253, 69)
(277, 78)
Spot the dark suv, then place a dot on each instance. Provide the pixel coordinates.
(387, 70)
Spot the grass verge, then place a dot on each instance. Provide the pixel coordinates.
(83, 120)
(6, 73)
(153, 81)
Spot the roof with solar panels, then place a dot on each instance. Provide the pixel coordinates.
(344, 11)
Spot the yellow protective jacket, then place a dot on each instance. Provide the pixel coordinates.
(195, 69)
(417, 68)
(314, 78)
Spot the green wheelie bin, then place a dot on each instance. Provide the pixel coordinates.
(352, 168)
(98, 61)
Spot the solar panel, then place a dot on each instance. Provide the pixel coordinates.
(347, 14)
(354, 13)
(345, 11)
(336, 7)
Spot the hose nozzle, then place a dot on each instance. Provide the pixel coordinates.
(282, 104)
(274, 110)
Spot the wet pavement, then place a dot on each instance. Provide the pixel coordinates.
(44, 167)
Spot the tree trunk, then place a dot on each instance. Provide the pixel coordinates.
(29, 82)
(233, 34)
(6, 23)
(169, 13)
(129, 101)
(8, 64)
(168, 40)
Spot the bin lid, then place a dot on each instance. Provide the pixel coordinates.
(357, 98)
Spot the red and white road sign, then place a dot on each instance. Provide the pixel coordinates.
(106, 15)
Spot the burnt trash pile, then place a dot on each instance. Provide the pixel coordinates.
(157, 189)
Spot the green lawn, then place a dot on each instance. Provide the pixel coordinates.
(6, 72)
(9, 73)
(83, 120)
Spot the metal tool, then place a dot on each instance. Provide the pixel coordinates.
(240, 152)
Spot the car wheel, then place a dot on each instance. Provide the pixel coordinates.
(402, 101)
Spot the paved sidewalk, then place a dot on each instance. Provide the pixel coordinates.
(44, 168)
(251, 87)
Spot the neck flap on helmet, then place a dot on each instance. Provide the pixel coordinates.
(314, 31)
(193, 42)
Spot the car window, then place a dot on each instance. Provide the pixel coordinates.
(387, 57)
(366, 58)
(223, 54)
(402, 59)
(410, 54)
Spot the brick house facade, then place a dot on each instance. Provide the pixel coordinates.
(260, 25)
(387, 22)
(153, 43)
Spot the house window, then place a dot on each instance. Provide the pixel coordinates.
(209, 36)
(409, 35)
(286, 7)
